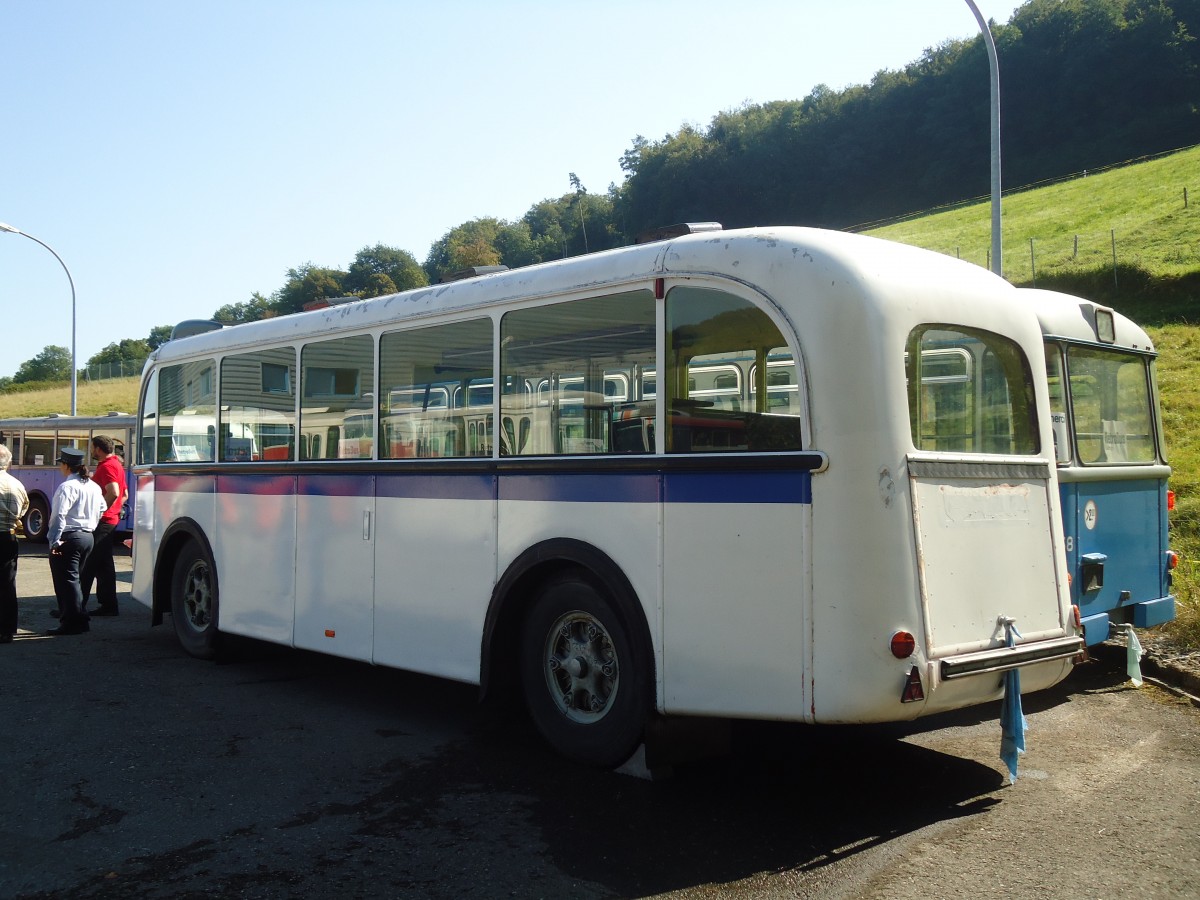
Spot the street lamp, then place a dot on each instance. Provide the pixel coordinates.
(11, 230)
(994, 66)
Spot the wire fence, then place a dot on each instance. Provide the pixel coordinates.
(126, 368)
(1026, 260)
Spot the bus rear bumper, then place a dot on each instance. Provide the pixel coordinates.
(1147, 614)
(1004, 658)
(1154, 612)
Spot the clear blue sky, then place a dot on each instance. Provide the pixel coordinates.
(181, 156)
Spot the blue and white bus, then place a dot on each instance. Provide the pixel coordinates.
(35, 444)
(712, 475)
(1112, 466)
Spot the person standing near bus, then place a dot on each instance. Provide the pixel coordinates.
(13, 504)
(74, 514)
(99, 567)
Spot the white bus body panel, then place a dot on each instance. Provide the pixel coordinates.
(335, 552)
(255, 542)
(435, 564)
(721, 595)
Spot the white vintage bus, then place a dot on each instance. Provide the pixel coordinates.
(726, 483)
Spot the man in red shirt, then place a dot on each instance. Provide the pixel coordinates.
(100, 568)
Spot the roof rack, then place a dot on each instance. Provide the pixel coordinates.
(667, 232)
(192, 327)
(472, 272)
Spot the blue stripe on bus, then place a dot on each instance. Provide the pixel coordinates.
(600, 487)
(257, 485)
(739, 487)
(186, 484)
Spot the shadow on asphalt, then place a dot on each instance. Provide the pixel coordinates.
(780, 798)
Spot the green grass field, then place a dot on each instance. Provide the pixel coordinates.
(1157, 283)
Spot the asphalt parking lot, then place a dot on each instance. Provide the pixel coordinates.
(134, 771)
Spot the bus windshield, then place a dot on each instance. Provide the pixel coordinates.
(1111, 406)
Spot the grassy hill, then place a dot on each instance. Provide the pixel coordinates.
(1062, 237)
(92, 398)
(1073, 226)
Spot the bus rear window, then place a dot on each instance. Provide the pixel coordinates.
(969, 392)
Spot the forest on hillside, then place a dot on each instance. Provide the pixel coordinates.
(1084, 84)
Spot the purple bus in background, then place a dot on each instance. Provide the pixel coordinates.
(35, 444)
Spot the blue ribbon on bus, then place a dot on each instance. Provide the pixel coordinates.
(1012, 718)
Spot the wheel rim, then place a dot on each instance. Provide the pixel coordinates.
(581, 667)
(197, 596)
(34, 522)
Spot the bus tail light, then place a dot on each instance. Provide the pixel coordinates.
(1172, 560)
(903, 644)
(1075, 615)
(329, 632)
(1170, 500)
(913, 690)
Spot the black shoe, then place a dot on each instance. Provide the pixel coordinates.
(104, 611)
(63, 630)
(6, 638)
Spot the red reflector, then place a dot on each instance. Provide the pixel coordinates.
(1170, 500)
(1172, 560)
(912, 687)
(1078, 618)
(329, 632)
(660, 288)
(903, 644)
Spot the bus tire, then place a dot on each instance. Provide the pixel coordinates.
(584, 674)
(194, 601)
(36, 521)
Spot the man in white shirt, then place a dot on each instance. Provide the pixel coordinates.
(74, 514)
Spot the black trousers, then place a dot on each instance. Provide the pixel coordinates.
(100, 569)
(66, 562)
(9, 547)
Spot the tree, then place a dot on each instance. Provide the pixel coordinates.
(159, 335)
(470, 244)
(383, 270)
(257, 307)
(308, 284)
(129, 350)
(52, 364)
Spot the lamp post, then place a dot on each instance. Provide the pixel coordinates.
(11, 230)
(994, 66)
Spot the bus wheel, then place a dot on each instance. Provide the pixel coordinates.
(585, 679)
(194, 602)
(36, 520)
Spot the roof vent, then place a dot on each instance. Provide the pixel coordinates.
(472, 272)
(193, 327)
(673, 231)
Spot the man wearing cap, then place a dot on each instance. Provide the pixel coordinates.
(74, 514)
(13, 504)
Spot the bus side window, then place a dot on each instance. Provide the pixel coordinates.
(581, 356)
(337, 384)
(719, 348)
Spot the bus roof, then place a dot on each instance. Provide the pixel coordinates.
(1065, 316)
(765, 257)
